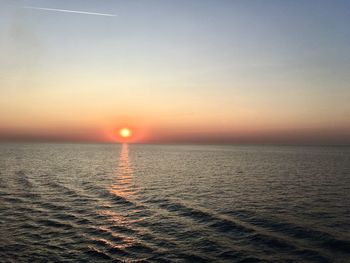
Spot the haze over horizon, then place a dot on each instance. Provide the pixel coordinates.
(175, 71)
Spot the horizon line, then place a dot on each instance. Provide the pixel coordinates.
(175, 143)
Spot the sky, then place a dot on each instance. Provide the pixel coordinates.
(184, 71)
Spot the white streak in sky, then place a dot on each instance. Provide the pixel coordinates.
(67, 11)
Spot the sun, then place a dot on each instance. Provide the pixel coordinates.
(125, 132)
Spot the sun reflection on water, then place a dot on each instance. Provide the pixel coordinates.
(124, 185)
(120, 216)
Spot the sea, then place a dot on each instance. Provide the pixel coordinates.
(174, 203)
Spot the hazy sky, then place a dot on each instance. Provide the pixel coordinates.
(176, 71)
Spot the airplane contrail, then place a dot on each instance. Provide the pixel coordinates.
(67, 11)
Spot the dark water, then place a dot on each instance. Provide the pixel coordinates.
(61, 202)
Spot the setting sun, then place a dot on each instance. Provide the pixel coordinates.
(125, 133)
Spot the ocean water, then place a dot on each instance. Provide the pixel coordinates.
(174, 203)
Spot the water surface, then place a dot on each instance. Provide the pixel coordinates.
(170, 203)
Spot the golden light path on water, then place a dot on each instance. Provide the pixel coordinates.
(124, 186)
(124, 190)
